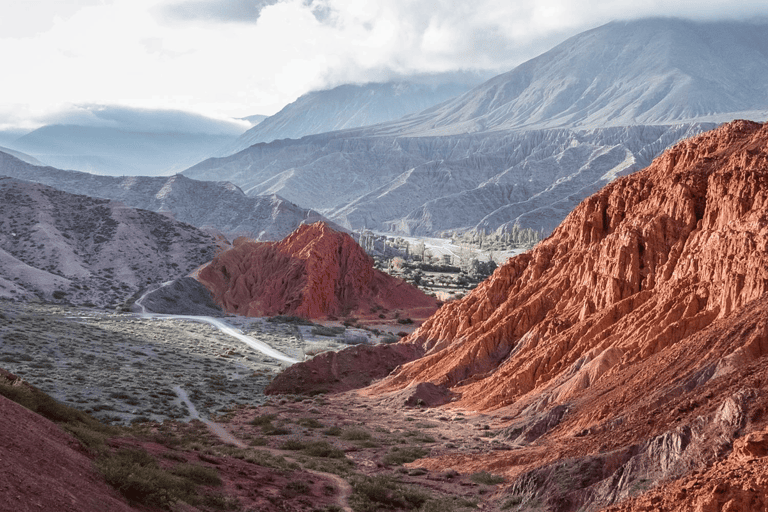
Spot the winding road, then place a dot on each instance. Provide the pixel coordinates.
(255, 344)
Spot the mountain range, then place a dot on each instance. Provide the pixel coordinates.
(528, 145)
(205, 204)
(114, 140)
(352, 106)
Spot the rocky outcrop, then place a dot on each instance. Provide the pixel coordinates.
(628, 348)
(315, 272)
(351, 368)
(650, 260)
(184, 296)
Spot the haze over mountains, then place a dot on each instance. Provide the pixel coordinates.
(604, 103)
(122, 141)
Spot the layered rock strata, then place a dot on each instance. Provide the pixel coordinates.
(315, 272)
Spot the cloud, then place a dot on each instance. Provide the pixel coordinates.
(238, 11)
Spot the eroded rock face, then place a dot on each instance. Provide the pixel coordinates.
(650, 260)
(315, 272)
(629, 348)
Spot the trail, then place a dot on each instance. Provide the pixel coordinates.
(255, 344)
(345, 490)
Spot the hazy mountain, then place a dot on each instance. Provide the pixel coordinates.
(604, 103)
(60, 246)
(122, 141)
(219, 205)
(351, 106)
(653, 71)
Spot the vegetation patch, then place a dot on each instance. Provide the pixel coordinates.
(397, 455)
(485, 478)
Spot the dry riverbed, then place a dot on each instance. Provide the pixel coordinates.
(122, 368)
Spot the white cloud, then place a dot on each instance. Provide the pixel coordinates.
(218, 57)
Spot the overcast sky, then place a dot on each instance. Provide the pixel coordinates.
(243, 57)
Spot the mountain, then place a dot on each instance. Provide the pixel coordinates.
(58, 246)
(527, 146)
(315, 272)
(219, 205)
(642, 72)
(632, 342)
(350, 106)
(123, 141)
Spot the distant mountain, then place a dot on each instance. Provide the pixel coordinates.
(121, 141)
(22, 156)
(219, 205)
(349, 106)
(527, 146)
(646, 72)
(60, 246)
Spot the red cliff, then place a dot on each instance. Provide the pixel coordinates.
(314, 272)
(628, 348)
(648, 261)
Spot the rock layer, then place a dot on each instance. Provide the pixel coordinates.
(627, 349)
(650, 260)
(314, 272)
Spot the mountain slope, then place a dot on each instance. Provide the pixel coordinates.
(60, 246)
(347, 106)
(219, 205)
(528, 145)
(652, 71)
(631, 343)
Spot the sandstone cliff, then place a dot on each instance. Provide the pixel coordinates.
(314, 272)
(628, 348)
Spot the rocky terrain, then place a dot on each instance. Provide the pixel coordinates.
(627, 348)
(58, 246)
(218, 205)
(315, 272)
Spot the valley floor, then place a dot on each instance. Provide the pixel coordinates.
(121, 367)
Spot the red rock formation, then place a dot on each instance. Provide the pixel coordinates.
(650, 260)
(314, 272)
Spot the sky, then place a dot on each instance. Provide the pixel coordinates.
(235, 58)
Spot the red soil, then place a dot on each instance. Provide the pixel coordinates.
(315, 272)
(43, 468)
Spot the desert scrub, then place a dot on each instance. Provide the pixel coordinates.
(383, 492)
(485, 478)
(333, 431)
(267, 460)
(397, 455)
(355, 434)
(139, 478)
(332, 331)
(309, 423)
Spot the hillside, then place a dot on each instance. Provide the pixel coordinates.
(315, 272)
(60, 246)
(219, 205)
(631, 342)
(641, 72)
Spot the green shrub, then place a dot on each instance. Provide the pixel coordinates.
(323, 449)
(403, 455)
(309, 423)
(198, 474)
(483, 477)
(371, 494)
(355, 434)
(333, 431)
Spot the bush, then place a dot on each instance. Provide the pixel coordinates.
(321, 330)
(355, 434)
(483, 477)
(323, 449)
(380, 492)
(403, 455)
(198, 474)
